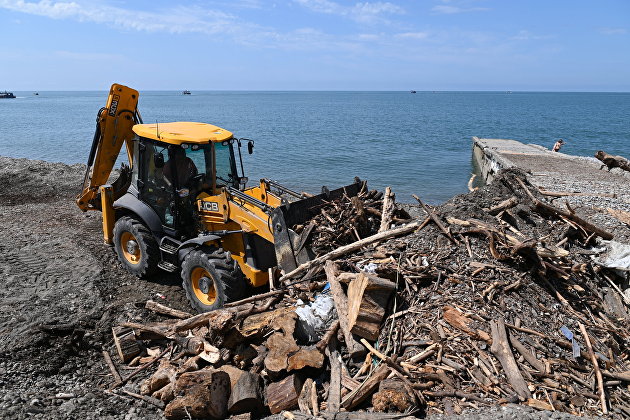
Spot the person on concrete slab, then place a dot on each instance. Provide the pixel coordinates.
(558, 145)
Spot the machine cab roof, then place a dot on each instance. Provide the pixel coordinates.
(182, 132)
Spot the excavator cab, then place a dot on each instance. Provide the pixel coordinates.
(183, 206)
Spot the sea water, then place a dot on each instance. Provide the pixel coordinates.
(416, 143)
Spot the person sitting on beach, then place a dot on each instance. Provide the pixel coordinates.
(558, 145)
(182, 165)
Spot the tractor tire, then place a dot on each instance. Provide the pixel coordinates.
(136, 247)
(211, 278)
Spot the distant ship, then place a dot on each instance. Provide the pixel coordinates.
(186, 92)
(6, 95)
(413, 91)
(36, 93)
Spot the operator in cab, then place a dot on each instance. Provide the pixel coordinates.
(182, 166)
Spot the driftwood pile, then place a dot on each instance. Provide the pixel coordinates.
(492, 298)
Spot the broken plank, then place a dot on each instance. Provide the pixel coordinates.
(501, 349)
(368, 296)
(341, 303)
(367, 388)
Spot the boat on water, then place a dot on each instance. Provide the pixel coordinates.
(413, 91)
(186, 92)
(6, 95)
(36, 93)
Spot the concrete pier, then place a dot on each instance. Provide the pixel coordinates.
(583, 183)
(552, 171)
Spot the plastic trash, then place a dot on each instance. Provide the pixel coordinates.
(617, 256)
(315, 319)
(569, 335)
(368, 268)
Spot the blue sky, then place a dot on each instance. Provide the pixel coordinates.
(551, 45)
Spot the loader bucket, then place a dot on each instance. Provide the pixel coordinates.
(289, 246)
(119, 187)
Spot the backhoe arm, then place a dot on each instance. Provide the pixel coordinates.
(113, 128)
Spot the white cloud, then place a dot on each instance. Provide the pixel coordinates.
(450, 10)
(367, 12)
(613, 31)
(88, 56)
(368, 37)
(413, 35)
(525, 35)
(176, 20)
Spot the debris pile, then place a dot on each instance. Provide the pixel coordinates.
(493, 297)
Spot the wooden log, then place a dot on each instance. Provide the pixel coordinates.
(586, 225)
(330, 333)
(305, 357)
(148, 331)
(503, 205)
(247, 395)
(527, 355)
(392, 395)
(435, 219)
(141, 368)
(218, 320)
(192, 345)
(255, 325)
(304, 400)
(164, 375)
(126, 343)
(346, 249)
(334, 389)
(358, 415)
(284, 395)
(471, 182)
(255, 298)
(367, 388)
(389, 205)
(457, 320)
(166, 393)
(456, 394)
(598, 372)
(314, 399)
(622, 216)
(368, 296)
(200, 394)
(613, 161)
(622, 376)
(165, 310)
(111, 366)
(399, 370)
(341, 303)
(153, 401)
(233, 372)
(575, 194)
(281, 344)
(501, 349)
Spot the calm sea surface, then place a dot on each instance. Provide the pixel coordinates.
(416, 143)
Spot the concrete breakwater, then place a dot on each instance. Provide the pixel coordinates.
(547, 169)
(580, 183)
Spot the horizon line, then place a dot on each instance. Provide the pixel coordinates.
(338, 90)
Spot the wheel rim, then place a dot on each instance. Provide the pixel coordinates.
(203, 286)
(130, 248)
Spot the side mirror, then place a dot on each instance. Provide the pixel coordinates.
(250, 147)
(158, 160)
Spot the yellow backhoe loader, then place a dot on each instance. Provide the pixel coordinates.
(182, 204)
